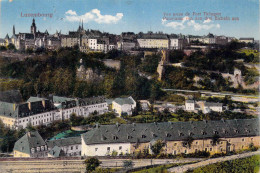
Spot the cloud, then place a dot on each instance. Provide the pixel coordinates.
(93, 15)
(70, 12)
(198, 26)
(176, 25)
(187, 22)
(207, 21)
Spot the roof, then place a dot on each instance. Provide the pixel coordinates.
(92, 100)
(189, 101)
(64, 142)
(11, 96)
(124, 100)
(210, 104)
(246, 38)
(170, 131)
(34, 99)
(154, 36)
(29, 140)
(55, 151)
(22, 110)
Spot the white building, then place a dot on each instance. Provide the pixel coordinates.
(124, 105)
(151, 40)
(69, 146)
(190, 105)
(212, 106)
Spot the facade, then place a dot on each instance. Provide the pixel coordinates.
(151, 40)
(31, 145)
(190, 105)
(246, 40)
(211, 106)
(32, 112)
(233, 135)
(68, 146)
(126, 45)
(124, 105)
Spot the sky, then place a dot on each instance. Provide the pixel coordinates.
(116, 16)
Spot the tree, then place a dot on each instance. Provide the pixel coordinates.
(188, 141)
(215, 139)
(157, 147)
(91, 164)
(11, 46)
(127, 164)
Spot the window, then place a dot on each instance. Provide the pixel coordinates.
(120, 148)
(71, 148)
(77, 147)
(143, 136)
(185, 151)
(108, 148)
(243, 139)
(210, 149)
(175, 152)
(97, 149)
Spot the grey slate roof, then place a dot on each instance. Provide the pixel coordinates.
(154, 36)
(210, 104)
(11, 96)
(55, 152)
(124, 100)
(189, 101)
(22, 110)
(92, 100)
(170, 131)
(29, 140)
(64, 142)
(33, 99)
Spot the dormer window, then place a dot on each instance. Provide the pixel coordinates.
(168, 135)
(216, 132)
(115, 137)
(181, 134)
(143, 136)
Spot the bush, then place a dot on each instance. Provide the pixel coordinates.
(91, 164)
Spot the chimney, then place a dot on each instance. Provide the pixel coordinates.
(29, 105)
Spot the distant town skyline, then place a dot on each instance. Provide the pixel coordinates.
(114, 16)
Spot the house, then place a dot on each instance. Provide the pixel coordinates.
(34, 112)
(190, 105)
(30, 145)
(212, 106)
(246, 40)
(66, 147)
(233, 135)
(153, 40)
(124, 105)
(145, 105)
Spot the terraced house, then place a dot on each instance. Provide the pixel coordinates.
(22, 114)
(232, 135)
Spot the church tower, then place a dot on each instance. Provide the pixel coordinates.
(13, 30)
(33, 27)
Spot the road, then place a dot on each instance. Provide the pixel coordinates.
(209, 92)
(65, 166)
(180, 169)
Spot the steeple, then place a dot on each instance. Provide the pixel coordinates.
(33, 27)
(82, 25)
(13, 30)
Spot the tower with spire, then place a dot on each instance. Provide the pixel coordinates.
(13, 30)
(33, 27)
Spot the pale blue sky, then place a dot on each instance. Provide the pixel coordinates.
(116, 16)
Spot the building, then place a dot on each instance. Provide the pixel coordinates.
(190, 105)
(209, 39)
(30, 145)
(124, 105)
(212, 106)
(65, 147)
(221, 40)
(151, 40)
(126, 45)
(33, 112)
(233, 135)
(247, 40)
